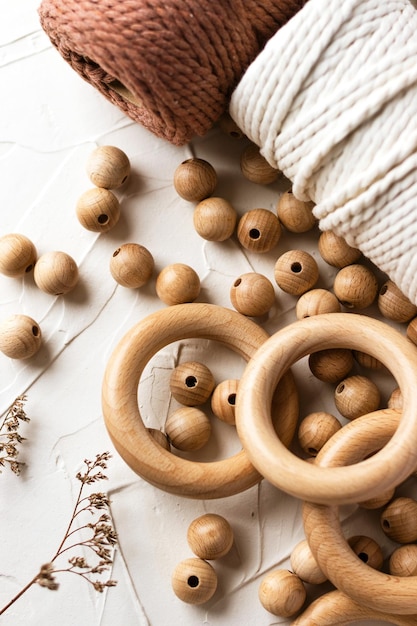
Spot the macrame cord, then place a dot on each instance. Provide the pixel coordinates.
(332, 102)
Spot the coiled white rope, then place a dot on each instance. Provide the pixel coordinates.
(332, 102)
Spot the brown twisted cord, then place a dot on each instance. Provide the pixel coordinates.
(169, 64)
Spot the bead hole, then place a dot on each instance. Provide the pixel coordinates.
(385, 523)
(124, 180)
(348, 305)
(35, 331)
(363, 556)
(191, 381)
(383, 290)
(237, 282)
(232, 399)
(103, 218)
(340, 388)
(193, 581)
(312, 451)
(116, 252)
(296, 267)
(254, 233)
(235, 133)
(29, 268)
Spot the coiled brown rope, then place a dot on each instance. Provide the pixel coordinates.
(169, 64)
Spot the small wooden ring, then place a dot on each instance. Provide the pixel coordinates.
(369, 587)
(386, 469)
(120, 406)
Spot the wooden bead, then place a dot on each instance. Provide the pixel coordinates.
(399, 520)
(191, 383)
(210, 536)
(223, 400)
(296, 215)
(368, 361)
(356, 396)
(108, 167)
(229, 127)
(395, 401)
(160, 438)
(98, 210)
(368, 550)
(56, 273)
(258, 230)
(335, 251)
(296, 271)
(252, 294)
(332, 365)
(377, 502)
(195, 179)
(20, 337)
(282, 593)
(188, 428)
(131, 265)
(394, 305)
(315, 430)
(194, 581)
(305, 566)
(256, 168)
(17, 255)
(315, 302)
(214, 219)
(403, 561)
(355, 286)
(177, 284)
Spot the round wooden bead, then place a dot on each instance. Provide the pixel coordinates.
(258, 230)
(98, 210)
(195, 179)
(356, 396)
(256, 168)
(305, 566)
(377, 502)
(335, 251)
(20, 337)
(56, 273)
(296, 271)
(223, 400)
(191, 383)
(177, 284)
(282, 593)
(331, 365)
(315, 302)
(210, 536)
(355, 286)
(403, 561)
(296, 215)
(131, 265)
(160, 438)
(108, 167)
(399, 520)
(315, 430)
(188, 428)
(214, 219)
(194, 581)
(366, 360)
(394, 305)
(252, 294)
(368, 550)
(17, 255)
(395, 401)
(412, 331)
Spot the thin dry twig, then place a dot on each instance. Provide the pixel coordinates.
(10, 438)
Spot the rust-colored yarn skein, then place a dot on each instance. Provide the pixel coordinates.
(170, 65)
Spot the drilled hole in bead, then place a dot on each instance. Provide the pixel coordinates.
(254, 233)
(296, 267)
(193, 581)
(237, 282)
(235, 133)
(385, 523)
(232, 399)
(346, 304)
(124, 180)
(116, 252)
(191, 381)
(363, 556)
(60, 293)
(103, 218)
(383, 290)
(35, 331)
(312, 451)
(340, 388)
(29, 268)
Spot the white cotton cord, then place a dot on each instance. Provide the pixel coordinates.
(332, 103)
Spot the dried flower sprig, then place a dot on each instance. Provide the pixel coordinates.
(97, 537)
(10, 437)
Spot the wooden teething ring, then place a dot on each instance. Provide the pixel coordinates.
(367, 586)
(120, 404)
(356, 483)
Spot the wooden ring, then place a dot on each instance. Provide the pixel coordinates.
(356, 483)
(120, 404)
(369, 587)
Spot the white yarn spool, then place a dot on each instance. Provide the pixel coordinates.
(332, 103)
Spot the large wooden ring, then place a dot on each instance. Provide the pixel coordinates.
(367, 586)
(120, 402)
(339, 485)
